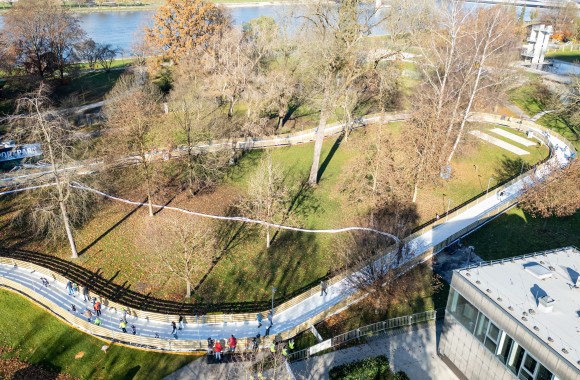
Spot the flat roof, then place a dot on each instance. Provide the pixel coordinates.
(527, 287)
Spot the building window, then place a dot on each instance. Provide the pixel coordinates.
(543, 373)
(505, 347)
(507, 350)
(462, 310)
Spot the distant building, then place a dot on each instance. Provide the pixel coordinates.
(535, 50)
(516, 319)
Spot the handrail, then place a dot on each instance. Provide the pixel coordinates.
(181, 308)
(371, 329)
(137, 341)
(520, 257)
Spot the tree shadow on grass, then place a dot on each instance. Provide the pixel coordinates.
(112, 228)
(132, 372)
(230, 235)
(281, 266)
(249, 159)
(35, 372)
(509, 168)
(302, 204)
(329, 156)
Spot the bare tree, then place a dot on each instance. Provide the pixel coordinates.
(39, 123)
(88, 51)
(106, 54)
(377, 177)
(273, 50)
(41, 35)
(267, 197)
(198, 121)
(233, 69)
(493, 36)
(130, 110)
(334, 41)
(185, 250)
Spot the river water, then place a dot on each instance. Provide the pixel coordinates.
(122, 28)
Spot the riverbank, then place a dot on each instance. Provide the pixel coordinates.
(153, 6)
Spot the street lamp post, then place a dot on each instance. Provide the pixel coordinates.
(488, 183)
(448, 204)
(273, 291)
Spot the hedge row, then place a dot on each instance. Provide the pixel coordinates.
(376, 368)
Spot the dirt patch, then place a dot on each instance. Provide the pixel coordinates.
(80, 355)
(16, 369)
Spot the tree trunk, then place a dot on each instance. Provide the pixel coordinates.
(313, 179)
(281, 114)
(231, 109)
(188, 291)
(415, 191)
(466, 114)
(149, 200)
(68, 229)
(267, 237)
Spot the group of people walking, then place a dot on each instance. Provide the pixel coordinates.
(96, 308)
(216, 348)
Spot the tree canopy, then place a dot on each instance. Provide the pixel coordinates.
(180, 26)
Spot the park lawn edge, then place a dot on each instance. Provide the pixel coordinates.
(53, 320)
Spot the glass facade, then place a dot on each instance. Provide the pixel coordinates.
(505, 349)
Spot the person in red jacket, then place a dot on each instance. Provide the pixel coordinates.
(217, 348)
(232, 343)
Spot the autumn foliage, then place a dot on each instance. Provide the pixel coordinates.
(181, 26)
(556, 195)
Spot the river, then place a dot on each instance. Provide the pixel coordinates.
(122, 28)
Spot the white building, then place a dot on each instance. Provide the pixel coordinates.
(535, 50)
(516, 318)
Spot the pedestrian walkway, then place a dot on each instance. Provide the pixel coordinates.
(413, 351)
(302, 311)
(537, 116)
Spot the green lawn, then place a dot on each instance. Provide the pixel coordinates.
(114, 238)
(568, 56)
(561, 126)
(116, 64)
(37, 337)
(516, 233)
(89, 87)
(524, 98)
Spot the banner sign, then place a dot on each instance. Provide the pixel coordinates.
(19, 152)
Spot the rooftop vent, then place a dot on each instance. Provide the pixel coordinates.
(547, 304)
(537, 270)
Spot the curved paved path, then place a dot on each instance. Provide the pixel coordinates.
(306, 309)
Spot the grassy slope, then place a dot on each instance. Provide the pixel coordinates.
(248, 271)
(568, 56)
(89, 87)
(516, 233)
(422, 298)
(523, 97)
(38, 337)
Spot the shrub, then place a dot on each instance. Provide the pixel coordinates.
(376, 368)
